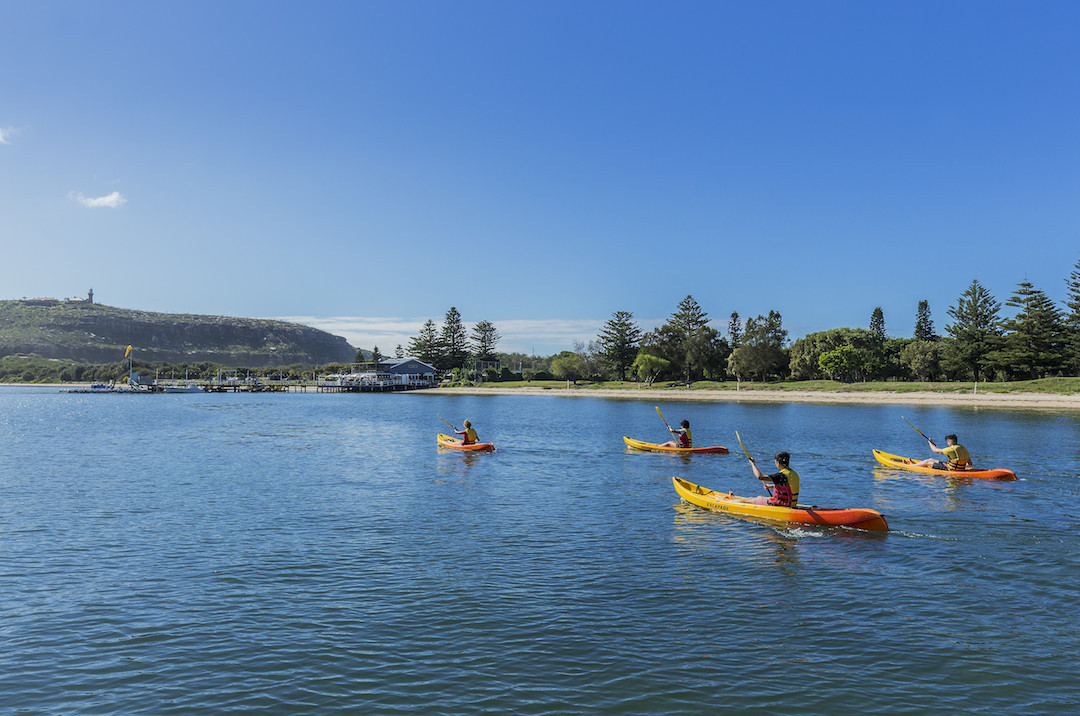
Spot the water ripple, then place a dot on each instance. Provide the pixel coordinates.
(279, 554)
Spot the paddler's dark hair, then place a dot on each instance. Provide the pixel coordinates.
(952, 437)
(783, 458)
(684, 424)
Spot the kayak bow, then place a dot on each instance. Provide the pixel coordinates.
(857, 518)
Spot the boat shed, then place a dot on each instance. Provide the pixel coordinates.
(417, 372)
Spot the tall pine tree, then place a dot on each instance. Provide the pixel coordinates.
(877, 325)
(484, 339)
(454, 341)
(875, 359)
(1072, 319)
(689, 325)
(425, 346)
(734, 329)
(1034, 344)
(619, 341)
(924, 326)
(976, 328)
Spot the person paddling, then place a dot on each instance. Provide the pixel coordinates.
(959, 459)
(468, 435)
(683, 438)
(784, 491)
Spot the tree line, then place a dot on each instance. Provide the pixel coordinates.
(1040, 340)
(684, 349)
(450, 347)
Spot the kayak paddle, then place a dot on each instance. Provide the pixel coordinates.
(445, 421)
(747, 453)
(744, 450)
(662, 417)
(920, 432)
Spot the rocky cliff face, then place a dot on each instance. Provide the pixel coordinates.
(95, 333)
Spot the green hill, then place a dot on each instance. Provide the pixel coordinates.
(95, 333)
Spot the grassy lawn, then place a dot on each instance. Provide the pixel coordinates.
(1056, 386)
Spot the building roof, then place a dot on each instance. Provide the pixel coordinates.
(395, 362)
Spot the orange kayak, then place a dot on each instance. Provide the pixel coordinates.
(858, 518)
(453, 443)
(906, 463)
(653, 447)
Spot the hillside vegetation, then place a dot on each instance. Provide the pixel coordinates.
(96, 333)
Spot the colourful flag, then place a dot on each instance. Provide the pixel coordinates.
(127, 352)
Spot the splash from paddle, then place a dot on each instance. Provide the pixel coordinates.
(920, 432)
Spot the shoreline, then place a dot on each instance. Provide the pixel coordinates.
(1039, 401)
(1033, 401)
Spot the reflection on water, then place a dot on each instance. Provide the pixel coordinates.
(282, 546)
(698, 530)
(949, 484)
(466, 457)
(682, 457)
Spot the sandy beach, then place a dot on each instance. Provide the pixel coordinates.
(1042, 401)
(1035, 401)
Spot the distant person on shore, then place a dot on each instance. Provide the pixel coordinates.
(959, 459)
(784, 488)
(468, 435)
(683, 438)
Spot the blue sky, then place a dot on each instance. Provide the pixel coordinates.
(363, 166)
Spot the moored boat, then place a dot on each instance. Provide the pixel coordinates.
(907, 463)
(454, 444)
(653, 447)
(857, 518)
(190, 388)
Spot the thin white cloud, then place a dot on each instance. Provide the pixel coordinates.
(537, 336)
(110, 201)
(6, 135)
(545, 336)
(363, 332)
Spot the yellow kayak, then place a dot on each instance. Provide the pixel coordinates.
(858, 518)
(907, 463)
(653, 447)
(454, 444)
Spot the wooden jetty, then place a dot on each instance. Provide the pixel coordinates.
(229, 380)
(334, 384)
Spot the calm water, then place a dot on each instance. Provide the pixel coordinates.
(318, 553)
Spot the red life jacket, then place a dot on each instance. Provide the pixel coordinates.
(781, 490)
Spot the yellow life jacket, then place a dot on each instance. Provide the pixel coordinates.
(959, 459)
(793, 483)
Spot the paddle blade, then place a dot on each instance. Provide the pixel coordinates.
(745, 451)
